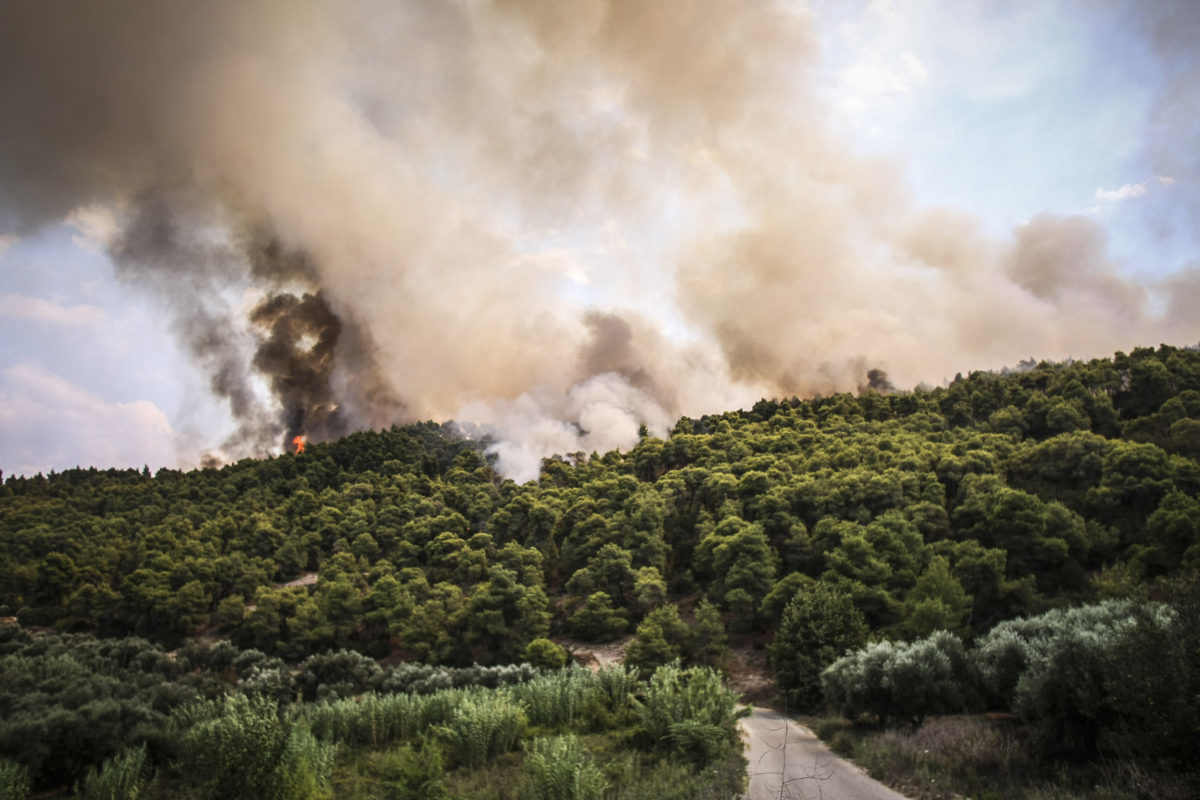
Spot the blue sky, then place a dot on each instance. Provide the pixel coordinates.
(999, 112)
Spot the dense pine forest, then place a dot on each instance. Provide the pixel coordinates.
(380, 614)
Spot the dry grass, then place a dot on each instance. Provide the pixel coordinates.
(988, 758)
(948, 757)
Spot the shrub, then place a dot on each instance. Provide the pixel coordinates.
(1118, 675)
(1153, 679)
(411, 774)
(14, 780)
(1002, 656)
(558, 768)
(545, 654)
(339, 674)
(554, 699)
(896, 680)
(691, 713)
(427, 678)
(483, 727)
(241, 747)
(119, 778)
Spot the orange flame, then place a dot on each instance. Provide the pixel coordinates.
(298, 441)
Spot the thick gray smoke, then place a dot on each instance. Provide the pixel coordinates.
(294, 338)
(558, 220)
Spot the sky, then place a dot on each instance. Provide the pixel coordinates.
(226, 224)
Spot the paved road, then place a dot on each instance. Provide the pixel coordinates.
(784, 753)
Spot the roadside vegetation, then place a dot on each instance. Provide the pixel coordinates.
(1092, 702)
(970, 534)
(128, 720)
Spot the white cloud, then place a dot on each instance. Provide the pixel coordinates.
(1124, 193)
(1132, 190)
(7, 240)
(876, 79)
(916, 69)
(48, 422)
(37, 309)
(97, 226)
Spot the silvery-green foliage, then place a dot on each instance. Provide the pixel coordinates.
(427, 678)
(275, 682)
(1003, 656)
(332, 675)
(854, 683)
(901, 680)
(1073, 669)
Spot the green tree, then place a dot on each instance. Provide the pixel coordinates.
(937, 602)
(598, 621)
(707, 643)
(504, 615)
(660, 639)
(743, 565)
(544, 654)
(819, 625)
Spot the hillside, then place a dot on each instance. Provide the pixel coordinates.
(953, 508)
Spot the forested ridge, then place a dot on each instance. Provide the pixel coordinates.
(955, 509)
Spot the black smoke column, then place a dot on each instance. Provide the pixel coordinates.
(296, 356)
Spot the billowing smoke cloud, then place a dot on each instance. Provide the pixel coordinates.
(561, 221)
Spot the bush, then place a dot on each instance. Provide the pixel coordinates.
(1152, 678)
(554, 699)
(241, 747)
(1118, 676)
(428, 678)
(1003, 656)
(691, 713)
(545, 654)
(906, 681)
(331, 675)
(483, 727)
(558, 768)
(1079, 677)
(14, 780)
(414, 774)
(119, 778)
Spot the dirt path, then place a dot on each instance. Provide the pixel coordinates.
(596, 656)
(788, 761)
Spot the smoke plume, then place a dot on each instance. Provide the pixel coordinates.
(560, 221)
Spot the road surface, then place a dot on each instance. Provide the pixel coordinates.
(783, 753)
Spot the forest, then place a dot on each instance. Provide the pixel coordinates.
(377, 616)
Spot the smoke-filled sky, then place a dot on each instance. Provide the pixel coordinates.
(223, 224)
